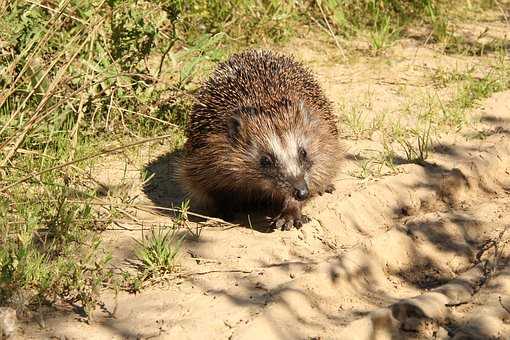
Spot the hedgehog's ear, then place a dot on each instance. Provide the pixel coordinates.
(234, 126)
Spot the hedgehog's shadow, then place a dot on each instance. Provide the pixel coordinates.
(164, 190)
(162, 187)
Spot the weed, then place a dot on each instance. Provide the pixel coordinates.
(133, 283)
(365, 169)
(375, 164)
(383, 32)
(350, 17)
(354, 120)
(378, 123)
(71, 76)
(478, 88)
(182, 220)
(419, 151)
(385, 20)
(42, 250)
(158, 252)
(442, 78)
(470, 92)
(386, 158)
(438, 21)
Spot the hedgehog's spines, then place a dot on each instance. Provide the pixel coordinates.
(275, 98)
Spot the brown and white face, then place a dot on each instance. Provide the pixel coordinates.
(285, 161)
(278, 148)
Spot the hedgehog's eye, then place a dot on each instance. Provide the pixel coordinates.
(266, 162)
(302, 154)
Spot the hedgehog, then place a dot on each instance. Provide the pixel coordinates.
(260, 134)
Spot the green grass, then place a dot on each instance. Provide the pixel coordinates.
(158, 251)
(430, 116)
(374, 164)
(82, 80)
(472, 89)
(47, 250)
(417, 145)
(354, 121)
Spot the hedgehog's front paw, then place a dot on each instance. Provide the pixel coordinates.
(290, 216)
(287, 222)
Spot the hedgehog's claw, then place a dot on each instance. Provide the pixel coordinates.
(298, 224)
(286, 223)
(290, 216)
(283, 223)
(279, 223)
(305, 219)
(330, 188)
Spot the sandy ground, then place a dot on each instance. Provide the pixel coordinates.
(416, 254)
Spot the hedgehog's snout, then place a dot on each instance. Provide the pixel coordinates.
(301, 190)
(302, 193)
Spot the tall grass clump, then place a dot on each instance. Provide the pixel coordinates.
(381, 21)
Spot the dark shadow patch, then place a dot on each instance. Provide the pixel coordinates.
(493, 119)
(445, 149)
(257, 220)
(423, 276)
(163, 188)
(355, 158)
(471, 47)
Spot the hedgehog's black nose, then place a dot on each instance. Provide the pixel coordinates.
(301, 192)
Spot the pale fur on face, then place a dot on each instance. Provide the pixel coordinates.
(286, 151)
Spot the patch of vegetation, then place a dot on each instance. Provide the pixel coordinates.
(50, 251)
(354, 121)
(436, 116)
(382, 21)
(471, 90)
(373, 164)
(417, 145)
(76, 77)
(158, 251)
(442, 78)
(351, 16)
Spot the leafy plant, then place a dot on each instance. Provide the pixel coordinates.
(158, 252)
(419, 151)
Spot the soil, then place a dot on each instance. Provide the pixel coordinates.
(419, 253)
